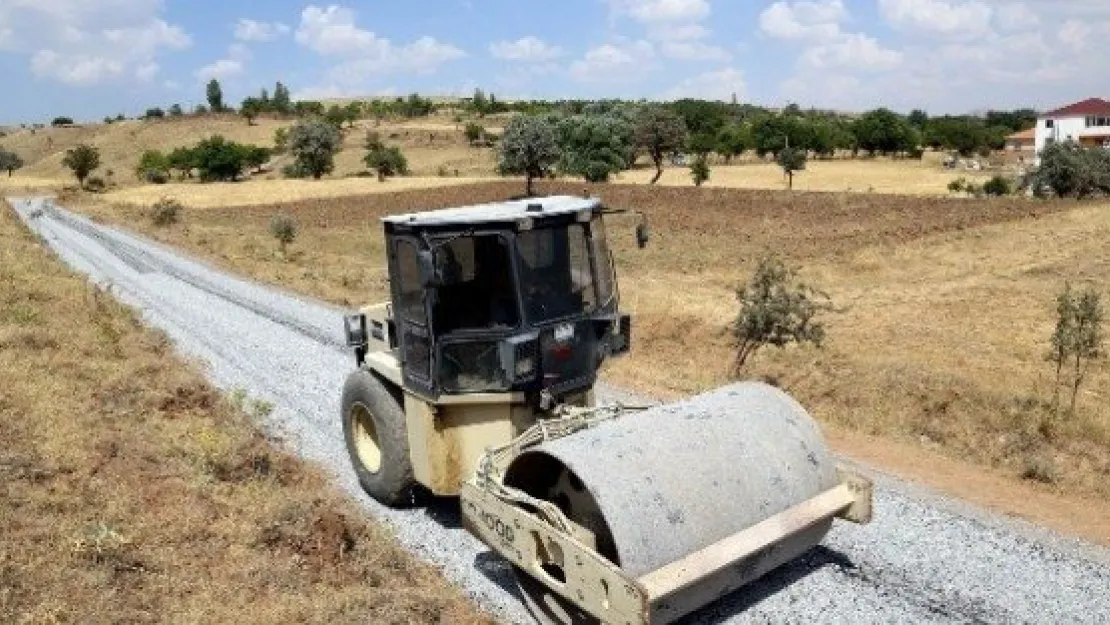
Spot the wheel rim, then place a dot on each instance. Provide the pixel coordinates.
(547, 607)
(365, 435)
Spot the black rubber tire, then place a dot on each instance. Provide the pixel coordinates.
(392, 484)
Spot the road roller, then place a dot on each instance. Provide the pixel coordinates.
(476, 380)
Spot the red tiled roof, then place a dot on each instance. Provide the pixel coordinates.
(1090, 106)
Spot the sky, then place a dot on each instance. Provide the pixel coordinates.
(91, 58)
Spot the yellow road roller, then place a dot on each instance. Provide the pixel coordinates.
(476, 380)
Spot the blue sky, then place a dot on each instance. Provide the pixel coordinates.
(90, 58)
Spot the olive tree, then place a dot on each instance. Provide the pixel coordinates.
(594, 146)
(792, 160)
(776, 309)
(314, 144)
(659, 131)
(10, 161)
(528, 147)
(82, 160)
(1078, 337)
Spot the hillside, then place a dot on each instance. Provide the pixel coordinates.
(429, 144)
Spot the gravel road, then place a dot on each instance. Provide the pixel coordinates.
(925, 559)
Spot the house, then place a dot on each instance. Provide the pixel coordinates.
(1024, 141)
(1087, 122)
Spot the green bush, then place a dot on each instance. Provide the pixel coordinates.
(776, 309)
(699, 170)
(998, 186)
(294, 170)
(387, 162)
(283, 228)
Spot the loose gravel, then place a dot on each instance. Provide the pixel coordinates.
(924, 559)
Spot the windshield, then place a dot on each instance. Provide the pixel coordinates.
(476, 286)
(556, 277)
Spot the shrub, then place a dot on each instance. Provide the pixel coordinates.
(62, 121)
(442, 171)
(387, 162)
(151, 160)
(96, 184)
(474, 132)
(1071, 170)
(998, 186)
(958, 185)
(699, 170)
(1077, 340)
(154, 113)
(283, 228)
(165, 212)
(294, 170)
(219, 159)
(792, 160)
(314, 144)
(82, 160)
(1040, 468)
(156, 176)
(776, 309)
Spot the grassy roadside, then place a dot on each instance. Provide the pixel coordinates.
(131, 491)
(948, 306)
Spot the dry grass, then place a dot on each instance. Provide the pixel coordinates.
(20, 183)
(949, 302)
(878, 176)
(430, 145)
(133, 492)
(254, 192)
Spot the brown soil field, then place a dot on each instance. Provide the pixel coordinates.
(880, 175)
(946, 308)
(132, 492)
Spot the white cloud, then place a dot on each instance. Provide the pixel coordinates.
(220, 70)
(650, 11)
(88, 42)
(609, 63)
(332, 32)
(254, 31)
(75, 70)
(676, 25)
(803, 20)
(526, 49)
(233, 65)
(717, 85)
(855, 52)
(947, 17)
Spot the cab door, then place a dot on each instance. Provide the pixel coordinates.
(410, 310)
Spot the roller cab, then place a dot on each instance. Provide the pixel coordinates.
(498, 313)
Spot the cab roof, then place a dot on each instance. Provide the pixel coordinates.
(498, 212)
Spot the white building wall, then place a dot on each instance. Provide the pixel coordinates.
(1063, 128)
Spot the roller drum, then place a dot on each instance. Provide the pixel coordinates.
(664, 483)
